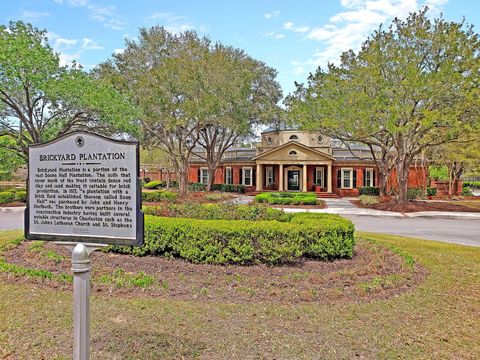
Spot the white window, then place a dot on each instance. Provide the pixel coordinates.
(247, 176)
(369, 177)
(204, 175)
(319, 176)
(228, 175)
(347, 178)
(269, 175)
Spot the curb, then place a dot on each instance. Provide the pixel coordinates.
(15, 209)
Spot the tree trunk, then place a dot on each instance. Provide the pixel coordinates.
(182, 183)
(211, 176)
(402, 167)
(382, 183)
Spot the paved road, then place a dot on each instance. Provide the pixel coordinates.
(466, 232)
(11, 220)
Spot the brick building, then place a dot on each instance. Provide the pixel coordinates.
(293, 160)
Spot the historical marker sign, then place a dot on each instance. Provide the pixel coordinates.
(84, 187)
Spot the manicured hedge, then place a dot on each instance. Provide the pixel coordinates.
(218, 212)
(153, 185)
(415, 193)
(7, 197)
(321, 236)
(431, 191)
(472, 184)
(284, 198)
(229, 188)
(369, 190)
(156, 196)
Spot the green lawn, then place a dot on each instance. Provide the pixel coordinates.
(439, 319)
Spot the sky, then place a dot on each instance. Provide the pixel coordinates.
(294, 37)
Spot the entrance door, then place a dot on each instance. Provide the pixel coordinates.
(294, 180)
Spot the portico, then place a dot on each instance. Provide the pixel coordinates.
(294, 167)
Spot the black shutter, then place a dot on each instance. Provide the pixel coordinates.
(314, 176)
(273, 174)
(373, 180)
(199, 175)
(254, 177)
(339, 178)
(364, 177)
(354, 178)
(325, 178)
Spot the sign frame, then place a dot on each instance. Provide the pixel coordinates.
(110, 240)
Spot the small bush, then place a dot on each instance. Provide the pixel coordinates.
(153, 185)
(472, 184)
(229, 188)
(7, 197)
(466, 191)
(216, 197)
(197, 187)
(369, 190)
(285, 198)
(20, 196)
(368, 199)
(320, 236)
(415, 193)
(157, 196)
(431, 191)
(218, 212)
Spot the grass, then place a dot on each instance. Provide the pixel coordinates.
(473, 204)
(440, 319)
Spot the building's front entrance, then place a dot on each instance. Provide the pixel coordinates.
(293, 177)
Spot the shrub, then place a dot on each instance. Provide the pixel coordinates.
(320, 236)
(153, 185)
(216, 197)
(229, 188)
(156, 196)
(285, 198)
(472, 184)
(431, 191)
(7, 197)
(20, 196)
(415, 193)
(218, 212)
(369, 190)
(197, 187)
(368, 199)
(466, 191)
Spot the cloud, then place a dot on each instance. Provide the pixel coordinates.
(103, 14)
(118, 51)
(274, 35)
(348, 29)
(291, 26)
(34, 16)
(89, 44)
(174, 23)
(272, 15)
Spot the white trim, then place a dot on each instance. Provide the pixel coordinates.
(243, 175)
(228, 169)
(322, 171)
(269, 175)
(201, 175)
(342, 182)
(369, 170)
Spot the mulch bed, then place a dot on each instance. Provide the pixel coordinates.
(414, 206)
(338, 281)
(14, 204)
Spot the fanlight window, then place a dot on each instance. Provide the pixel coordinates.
(269, 140)
(292, 153)
(293, 138)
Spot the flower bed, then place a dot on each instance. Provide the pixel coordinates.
(286, 198)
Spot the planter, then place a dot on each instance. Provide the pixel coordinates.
(317, 188)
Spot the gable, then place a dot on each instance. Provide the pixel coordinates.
(285, 153)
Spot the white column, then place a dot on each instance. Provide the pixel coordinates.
(259, 177)
(280, 182)
(329, 182)
(304, 173)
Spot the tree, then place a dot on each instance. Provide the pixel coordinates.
(411, 87)
(41, 100)
(247, 96)
(191, 93)
(10, 160)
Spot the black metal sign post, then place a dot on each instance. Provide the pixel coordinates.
(84, 192)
